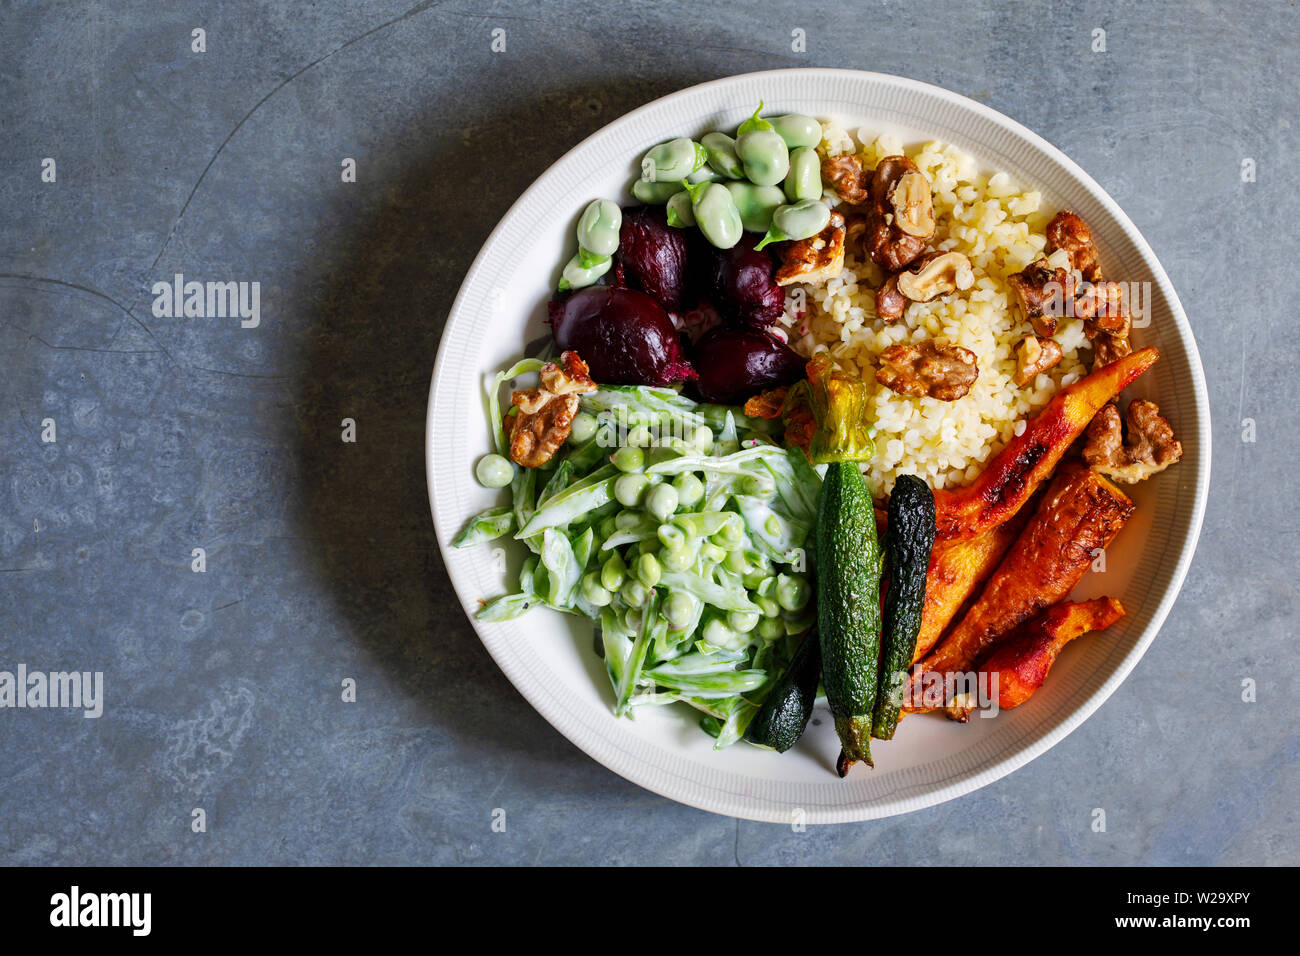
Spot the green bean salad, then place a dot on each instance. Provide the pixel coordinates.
(679, 528)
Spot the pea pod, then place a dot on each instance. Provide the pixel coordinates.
(598, 227)
(486, 526)
(715, 213)
(764, 155)
(680, 213)
(755, 203)
(579, 276)
(805, 178)
(797, 130)
(755, 122)
(797, 221)
(672, 161)
(720, 150)
(652, 193)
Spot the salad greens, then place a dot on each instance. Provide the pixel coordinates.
(680, 529)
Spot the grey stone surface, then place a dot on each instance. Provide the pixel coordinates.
(223, 687)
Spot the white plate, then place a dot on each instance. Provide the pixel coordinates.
(549, 656)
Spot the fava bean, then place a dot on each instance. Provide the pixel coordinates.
(680, 213)
(598, 228)
(705, 174)
(652, 193)
(673, 160)
(769, 629)
(755, 122)
(764, 155)
(755, 204)
(805, 178)
(716, 214)
(494, 471)
(575, 275)
(797, 130)
(797, 221)
(720, 150)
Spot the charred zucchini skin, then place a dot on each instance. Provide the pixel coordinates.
(787, 709)
(848, 606)
(907, 557)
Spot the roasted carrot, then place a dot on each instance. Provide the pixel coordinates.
(1022, 660)
(957, 569)
(1010, 479)
(1080, 513)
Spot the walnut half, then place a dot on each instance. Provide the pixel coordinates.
(943, 372)
(1069, 232)
(933, 275)
(544, 415)
(1042, 288)
(1151, 444)
(900, 216)
(815, 259)
(1035, 356)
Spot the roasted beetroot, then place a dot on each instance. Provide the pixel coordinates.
(624, 336)
(735, 363)
(653, 256)
(741, 284)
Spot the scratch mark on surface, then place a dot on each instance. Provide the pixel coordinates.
(60, 283)
(78, 348)
(218, 371)
(418, 8)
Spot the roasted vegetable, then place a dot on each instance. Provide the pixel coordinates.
(1081, 513)
(1011, 478)
(788, 706)
(848, 607)
(839, 404)
(654, 256)
(957, 569)
(734, 362)
(907, 557)
(625, 336)
(1022, 660)
(741, 284)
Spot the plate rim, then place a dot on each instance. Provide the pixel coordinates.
(972, 780)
